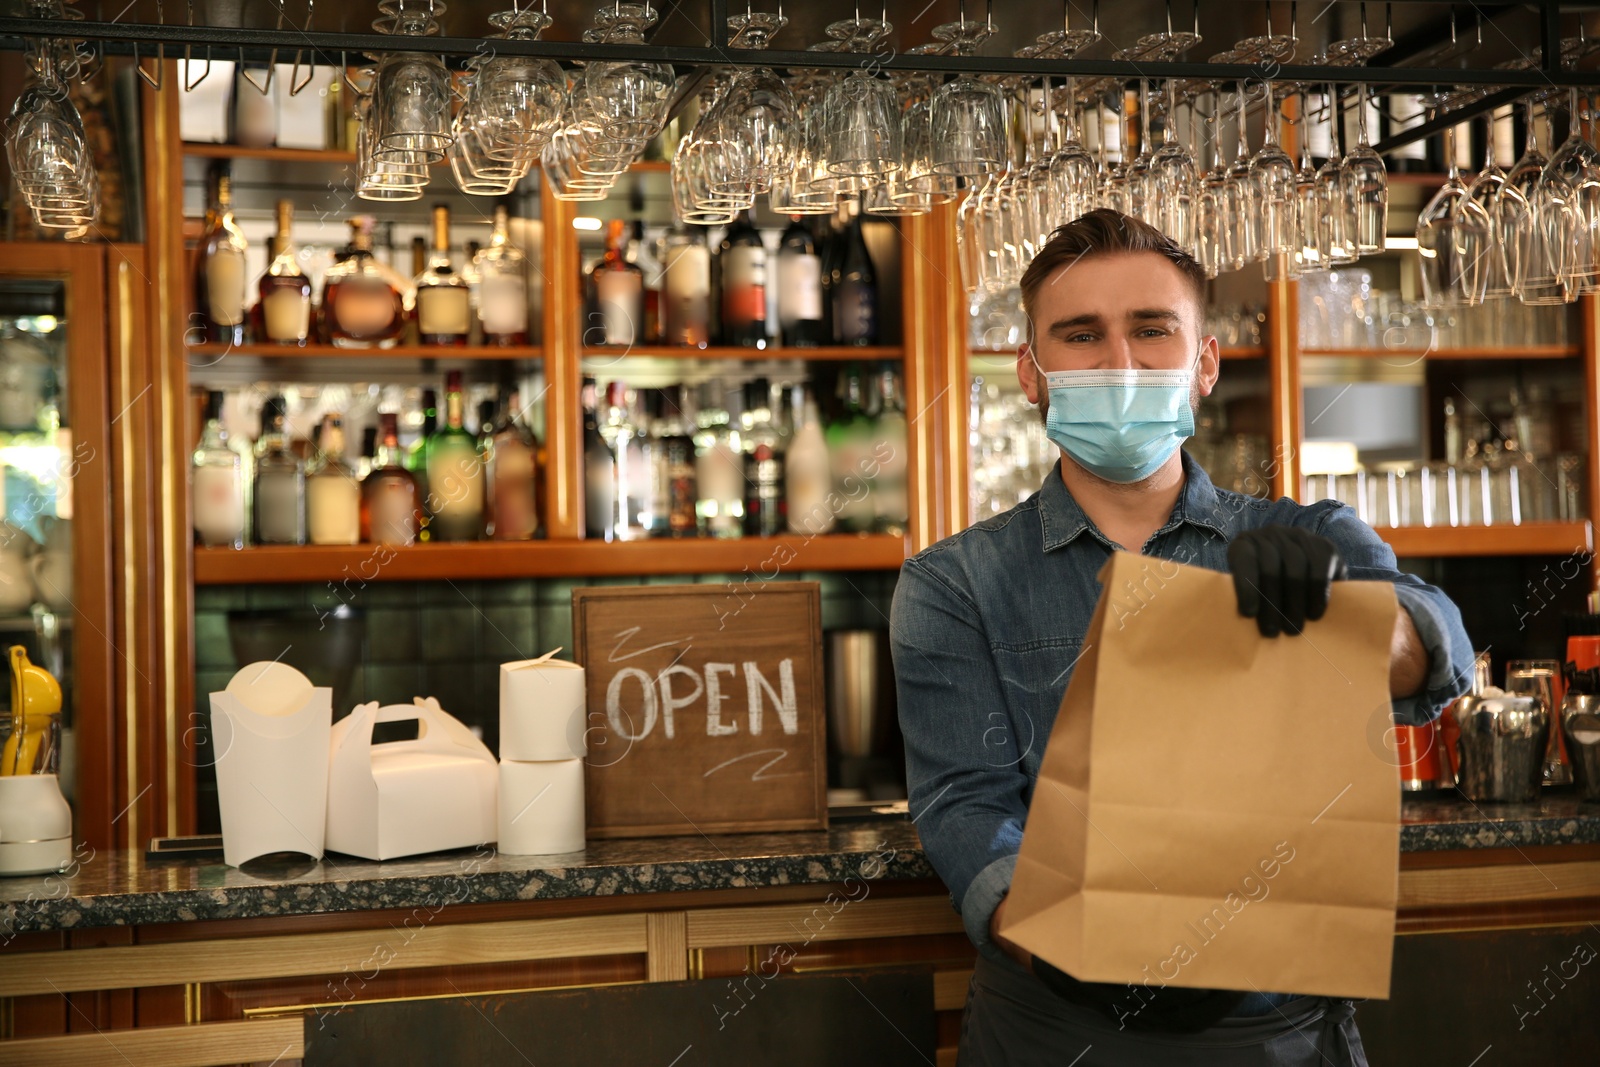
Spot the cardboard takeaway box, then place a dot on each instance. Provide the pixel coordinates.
(400, 798)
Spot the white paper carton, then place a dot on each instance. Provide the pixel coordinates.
(541, 807)
(542, 710)
(270, 729)
(401, 798)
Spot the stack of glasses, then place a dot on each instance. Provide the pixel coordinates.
(46, 148)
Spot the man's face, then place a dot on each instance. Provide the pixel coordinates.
(1132, 310)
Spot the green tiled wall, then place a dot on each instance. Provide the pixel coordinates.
(447, 639)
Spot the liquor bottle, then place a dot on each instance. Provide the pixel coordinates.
(219, 280)
(719, 466)
(443, 307)
(333, 493)
(455, 472)
(630, 478)
(618, 288)
(218, 483)
(765, 512)
(280, 497)
(638, 253)
(890, 502)
(800, 287)
(391, 501)
(685, 288)
(419, 256)
(855, 291)
(808, 477)
(285, 291)
(742, 263)
(599, 474)
(850, 439)
(417, 457)
(502, 286)
(361, 307)
(830, 247)
(486, 420)
(513, 478)
(369, 452)
(683, 490)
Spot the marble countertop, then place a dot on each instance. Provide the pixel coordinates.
(125, 888)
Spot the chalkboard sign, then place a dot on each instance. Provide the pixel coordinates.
(705, 708)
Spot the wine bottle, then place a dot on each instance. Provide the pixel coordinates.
(719, 468)
(416, 460)
(283, 306)
(765, 511)
(742, 260)
(800, 287)
(808, 478)
(599, 473)
(455, 472)
(850, 440)
(855, 291)
(889, 499)
(217, 483)
(639, 255)
(333, 493)
(443, 307)
(513, 477)
(361, 306)
(686, 288)
(390, 497)
(219, 279)
(280, 497)
(502, 286)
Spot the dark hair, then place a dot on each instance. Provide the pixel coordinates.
(1103, 232)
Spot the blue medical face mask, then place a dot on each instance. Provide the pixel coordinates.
(1120, 424)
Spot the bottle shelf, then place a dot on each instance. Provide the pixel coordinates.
(842, 353)
(1253, 352)
(762, 557)
(208, 150)
(272, 351)
(1522, 352)
(1529, 539)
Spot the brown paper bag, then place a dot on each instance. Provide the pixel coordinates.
(1209, 812)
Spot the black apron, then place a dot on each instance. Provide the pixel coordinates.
(1013, 1020)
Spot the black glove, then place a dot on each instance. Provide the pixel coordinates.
(1283, 576)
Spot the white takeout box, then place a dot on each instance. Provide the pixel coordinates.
(270, 729)
(401, 798)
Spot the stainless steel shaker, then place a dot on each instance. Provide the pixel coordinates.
(1501, 746)
(1580, 723)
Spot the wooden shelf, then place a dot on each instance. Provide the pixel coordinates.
(829, 352)
(547, 559)
(1530, 539)
(1524, 352)
(1254, 352)
(271, 351)
(206, 150)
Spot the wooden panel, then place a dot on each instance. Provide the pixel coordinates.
(792, 923)
(667, 944)
(946, 1057)
(950, 989)
(545, 559)
(204, 355)
(206, 1045)
(1408, 354)
(920, 278)
(563, 374)
(1499, 884)
(743, 667)
(266, 957)
(1283, 375)
(1529, 539)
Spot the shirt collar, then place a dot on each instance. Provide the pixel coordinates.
(1063, 519)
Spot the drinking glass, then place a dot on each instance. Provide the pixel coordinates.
(1272, 178)
(968, 114)
(630, 96)
(1572, 180)
(1216, 229)
(1172, 180)
(862, 131)
(1073, 179)
(1334, 246)
(411, 107)
(1244, 198)
(1489, 191)
(1534, 245)
(1366, 189)
(1453, 242)
(1308, 254)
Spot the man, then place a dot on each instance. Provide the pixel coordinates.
(988, 624)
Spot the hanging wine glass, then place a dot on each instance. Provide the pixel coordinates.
(1572, 179)
(1308, 207)
(968, 114)
(1114, 178)
(862, 115)
(1453, 241)
(1141, 196)
(1334, 244)
(1213, 203)
(1244, 199)
(1272, 178)
(1366, 189)
(1535, 248)
(1073, 177)
(1488, 191)
(630, 96)
(1173, 179)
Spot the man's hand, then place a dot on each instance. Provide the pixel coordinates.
(1283, 576)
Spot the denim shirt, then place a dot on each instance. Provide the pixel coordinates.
(987, 626)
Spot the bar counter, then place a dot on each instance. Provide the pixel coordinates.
(128, 889)
(127, 962)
